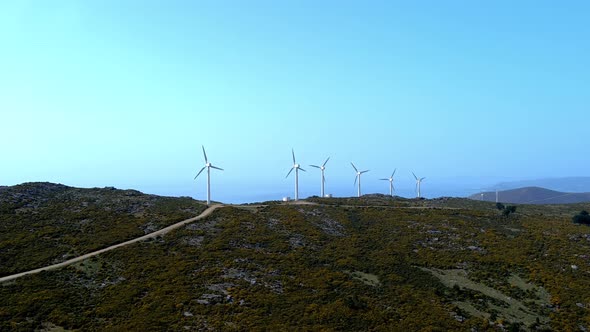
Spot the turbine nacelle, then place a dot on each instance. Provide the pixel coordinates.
(297, 167)
(322, 169)
(390, 179)
(418, 182)
(207, 167)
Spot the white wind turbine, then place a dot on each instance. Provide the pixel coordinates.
(358, 177)
(322, 168)
(418, 182)
(208, 166)
(390, 179)
(295, 167)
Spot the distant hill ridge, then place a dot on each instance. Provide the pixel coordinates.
(572, 184)
(533, 195)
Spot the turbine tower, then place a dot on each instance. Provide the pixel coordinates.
(358, 177)
(208, 166)
(390, 179)
(322, 168)
(418, 182)
(295, 167)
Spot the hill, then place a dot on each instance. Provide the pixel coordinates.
(374, 263)
(46, 223)
(533, 195)
(566, 184)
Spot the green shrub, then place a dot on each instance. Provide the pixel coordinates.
(508, 210)
(582, 218)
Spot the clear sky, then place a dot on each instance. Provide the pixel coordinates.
(124, 93)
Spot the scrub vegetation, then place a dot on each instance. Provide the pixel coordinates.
(374, 263)
(45, 223)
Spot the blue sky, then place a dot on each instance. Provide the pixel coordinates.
(123, 93)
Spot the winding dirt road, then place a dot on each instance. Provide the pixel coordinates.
(162, 231)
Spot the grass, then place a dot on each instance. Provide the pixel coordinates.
(509, 308)
(366, 278)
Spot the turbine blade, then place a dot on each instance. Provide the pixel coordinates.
(364, 171)
(392, 174)
(291, 170)
(314, 166)
(384, 179)
(355, 178)
(221, 169)
(293, 153)
(302, 169)
(201, 171)
(325, 162)
(422, 179)
(415, 177)
(204, 154)
(356, 170)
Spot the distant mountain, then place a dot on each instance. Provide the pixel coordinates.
(566, 184)
(533, 195)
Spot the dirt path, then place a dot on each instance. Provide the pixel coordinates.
(162, 231)
(165, 230)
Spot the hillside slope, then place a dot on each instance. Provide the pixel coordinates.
(46, 223)
(533, 195)
(374, 263)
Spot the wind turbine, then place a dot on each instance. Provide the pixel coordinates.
(390, 179)
(295, 167)
(208, 166)
(358, 177)
(418, 182)
(322, 168)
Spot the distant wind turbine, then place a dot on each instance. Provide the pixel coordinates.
(295, 167)
(322, 168)
(358, 178)
(418, 182)
(208, 166)
(390, 179)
